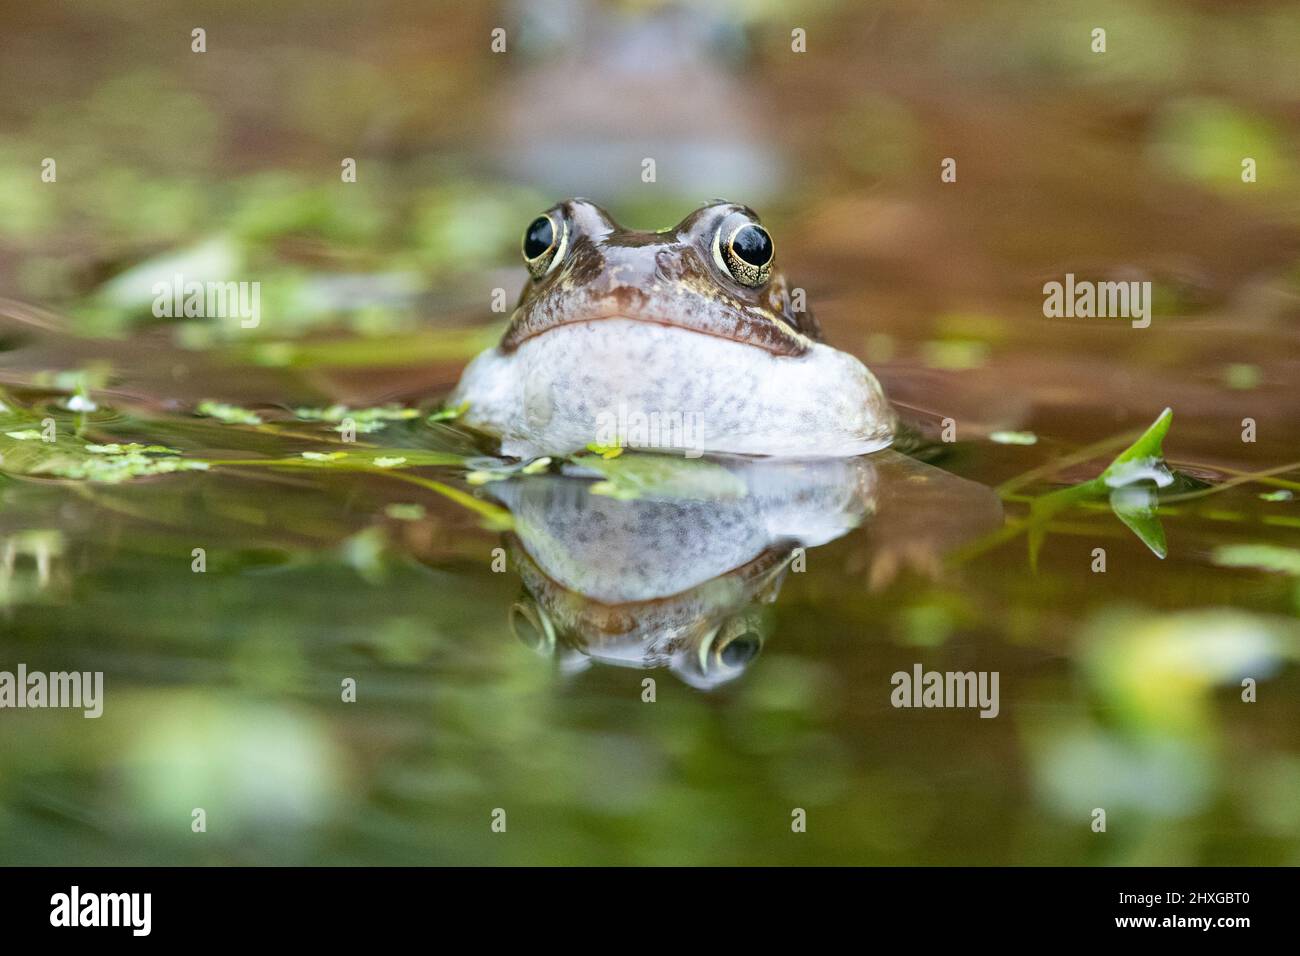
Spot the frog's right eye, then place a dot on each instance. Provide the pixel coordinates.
(544, 242)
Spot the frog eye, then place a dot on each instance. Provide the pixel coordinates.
(746, 251)
(740, 650)
(543, 245)
(731, 648)
(532, 628)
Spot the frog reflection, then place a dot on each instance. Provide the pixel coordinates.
(678, 583)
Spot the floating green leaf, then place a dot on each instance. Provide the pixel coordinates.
(115, 449)
(112, 469)
(1242, 376)
(69, 457)
(355, 458)
(1268, 557)
(26, 450)
(1014, 438)
(448, 414)
(230, 414)
(638, 475)
(324, 455)
(373, 417)
(399, 511)
(1156, 669)
(1141, 461)
(1144, 458)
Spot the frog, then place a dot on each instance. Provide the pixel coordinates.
(664, 581)
(688, 339)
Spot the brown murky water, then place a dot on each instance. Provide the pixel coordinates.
(500, 627)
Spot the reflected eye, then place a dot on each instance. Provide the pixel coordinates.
(543, 244)
(532, 628)
(741, 650)
(746, 250)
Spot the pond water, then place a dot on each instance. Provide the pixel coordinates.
(372, 651)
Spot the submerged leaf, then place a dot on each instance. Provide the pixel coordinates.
(1136, 507)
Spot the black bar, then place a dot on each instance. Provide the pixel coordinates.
(331, 906)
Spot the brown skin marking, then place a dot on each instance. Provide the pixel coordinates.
(669, 278)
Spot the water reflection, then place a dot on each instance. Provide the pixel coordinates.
(662, 581)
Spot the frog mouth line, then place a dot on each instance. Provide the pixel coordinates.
(779, 340)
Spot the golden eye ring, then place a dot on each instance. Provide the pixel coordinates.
(543, 244)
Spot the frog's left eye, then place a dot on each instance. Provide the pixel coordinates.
(543, 245)
(746, 250)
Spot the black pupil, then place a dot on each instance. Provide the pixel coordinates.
(753, 245)
(740, 651)
(538, 238)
